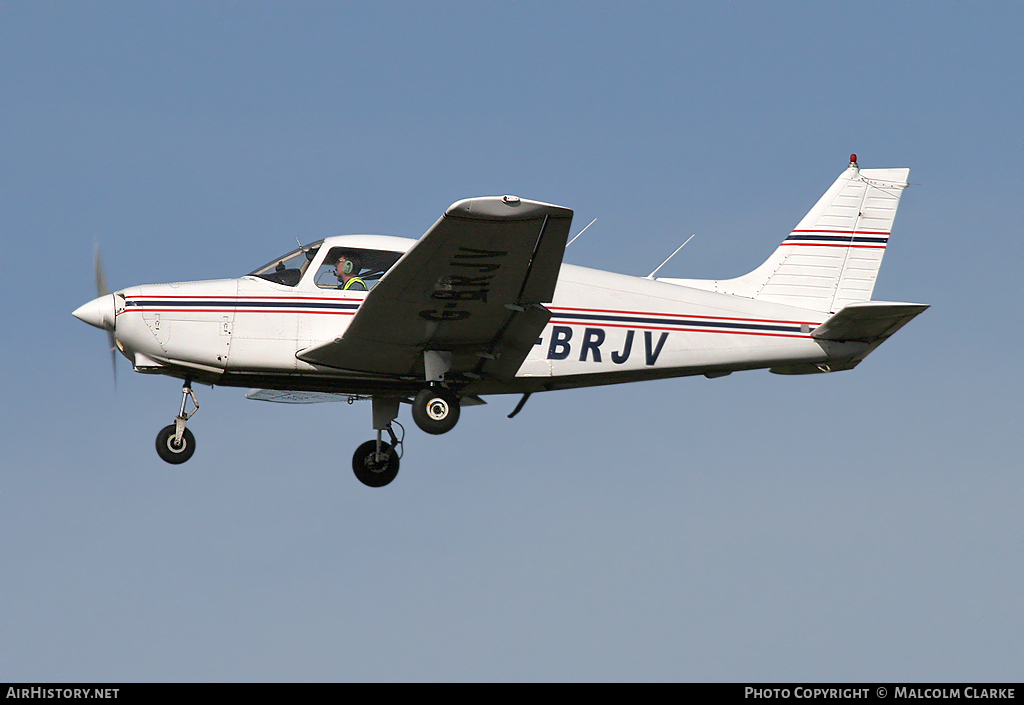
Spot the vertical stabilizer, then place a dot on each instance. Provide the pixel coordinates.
(832, 257)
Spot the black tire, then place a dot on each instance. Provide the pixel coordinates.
(435, 410)
(168, 452)
(369, 470)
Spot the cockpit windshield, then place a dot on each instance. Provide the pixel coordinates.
(288, 270)
(354, 268)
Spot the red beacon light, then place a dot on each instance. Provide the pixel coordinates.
(853, 160)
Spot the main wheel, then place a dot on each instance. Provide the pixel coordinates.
(175, 454)
(371, 471)
(435, 410)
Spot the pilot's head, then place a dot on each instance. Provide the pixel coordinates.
(347, 267)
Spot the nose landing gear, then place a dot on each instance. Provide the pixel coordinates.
(175, 444)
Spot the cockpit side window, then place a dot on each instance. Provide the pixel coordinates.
(288, 270)
(354, 269)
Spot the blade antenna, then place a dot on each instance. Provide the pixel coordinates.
(651, 275)
(581, 232)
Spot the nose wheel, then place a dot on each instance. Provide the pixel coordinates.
(175, 444)
(175, 451)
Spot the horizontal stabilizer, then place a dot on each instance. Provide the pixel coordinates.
(864, 326)
(867, 321)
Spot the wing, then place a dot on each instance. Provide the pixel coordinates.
(472, 287)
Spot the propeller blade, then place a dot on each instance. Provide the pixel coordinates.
(101, 278)
(113, 356)
(102, 290)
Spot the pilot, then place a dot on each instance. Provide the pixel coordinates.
(347, 271)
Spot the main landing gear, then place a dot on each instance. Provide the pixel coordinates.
(435, 410)
(375, 462)
(175, 444)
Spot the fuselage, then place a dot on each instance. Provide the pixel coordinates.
(483, 304)
(605, 328)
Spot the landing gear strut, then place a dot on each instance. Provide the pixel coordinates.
(175, 444)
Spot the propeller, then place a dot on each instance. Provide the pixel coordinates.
(103, 290)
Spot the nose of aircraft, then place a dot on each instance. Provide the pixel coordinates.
(98, 312)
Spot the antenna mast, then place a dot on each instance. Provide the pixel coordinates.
(651, 275)
(581, 232)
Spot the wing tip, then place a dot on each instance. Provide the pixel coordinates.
(504, 208)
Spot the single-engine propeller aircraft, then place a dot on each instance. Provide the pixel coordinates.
(482, 304)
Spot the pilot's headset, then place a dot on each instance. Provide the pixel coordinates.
(350, 263)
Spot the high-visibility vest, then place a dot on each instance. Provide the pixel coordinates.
(353, 281)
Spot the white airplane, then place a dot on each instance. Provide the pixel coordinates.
(482, 304)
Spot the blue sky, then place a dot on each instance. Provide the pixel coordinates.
(863, 525)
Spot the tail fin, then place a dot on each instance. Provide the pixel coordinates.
(831, 259)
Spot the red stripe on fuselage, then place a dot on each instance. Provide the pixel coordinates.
(683, 315)
(682, 330)
(845, 232)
